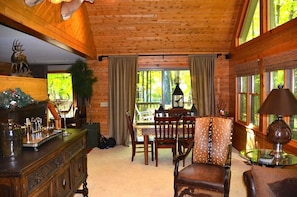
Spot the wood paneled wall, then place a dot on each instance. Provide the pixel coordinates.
(36, 88)
(276, 41)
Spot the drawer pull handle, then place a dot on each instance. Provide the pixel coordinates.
(79, 167)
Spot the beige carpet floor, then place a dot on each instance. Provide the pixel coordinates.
(112, 174)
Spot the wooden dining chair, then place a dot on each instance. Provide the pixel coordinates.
(185, 138)
(166, 129)
(138, 141)
(210, 171)
(178, 112)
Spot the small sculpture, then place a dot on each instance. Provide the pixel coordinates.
(19, 63)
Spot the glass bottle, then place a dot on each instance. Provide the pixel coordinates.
(11, 139)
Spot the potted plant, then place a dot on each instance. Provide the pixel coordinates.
(82, 82)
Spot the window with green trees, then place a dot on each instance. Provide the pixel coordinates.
(248, 95)
(60, 88)
(155, 87)
(279, 12)
(251, 24)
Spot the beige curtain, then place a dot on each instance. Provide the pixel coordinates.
(202, 80)
(122, 90)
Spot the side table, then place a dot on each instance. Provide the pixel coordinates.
(266, 157)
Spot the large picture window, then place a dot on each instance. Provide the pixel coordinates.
(155, 87)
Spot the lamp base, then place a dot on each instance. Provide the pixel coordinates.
(278, 151)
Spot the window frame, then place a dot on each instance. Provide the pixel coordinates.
(249, 93)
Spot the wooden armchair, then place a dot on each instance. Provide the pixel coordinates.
(209, 173)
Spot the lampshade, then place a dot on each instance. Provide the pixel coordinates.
(279, 102)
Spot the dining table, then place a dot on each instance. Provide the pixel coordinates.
(146, 130)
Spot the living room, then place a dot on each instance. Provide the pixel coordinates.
(90, 35)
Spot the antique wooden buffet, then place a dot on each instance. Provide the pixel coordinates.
(58, 168)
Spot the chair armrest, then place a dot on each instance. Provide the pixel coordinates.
(228, 160)
(180, 157)
(249, 182)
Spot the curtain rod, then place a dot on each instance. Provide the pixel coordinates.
(100, 58)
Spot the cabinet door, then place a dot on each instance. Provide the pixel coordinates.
(79, 169)
(10, 187)
(63, 182)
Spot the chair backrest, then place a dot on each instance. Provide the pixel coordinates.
(178, 112)
(166, 127)
(188, 127)
(161, 113)
(130, 128)
(213, 135)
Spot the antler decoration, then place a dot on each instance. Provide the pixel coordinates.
(67, 6)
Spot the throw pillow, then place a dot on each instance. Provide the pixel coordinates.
(263, 176)
(284, 188)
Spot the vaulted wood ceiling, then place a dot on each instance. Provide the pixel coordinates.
(163, 27)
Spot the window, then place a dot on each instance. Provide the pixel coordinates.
(155, 87)
(60, 88)
(248, 95)
(293, 119)
(251, 25)
(281, 11)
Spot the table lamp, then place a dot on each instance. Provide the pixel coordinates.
(280, 102)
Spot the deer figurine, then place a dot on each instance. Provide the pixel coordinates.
(67, 8)
(19, 63)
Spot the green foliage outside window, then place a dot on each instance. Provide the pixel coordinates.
(249, 95)
(155, 87)
(59, 86)
(279, 12)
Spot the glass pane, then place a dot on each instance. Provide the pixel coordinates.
(148, 94)
(255, 84)
(242, 84)
(255, 105)
(242, 107)
(281, 11)
(277, 78)
(155, 87)
(293, 119)
(251, 25)
(255, 99)
(184, 80)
